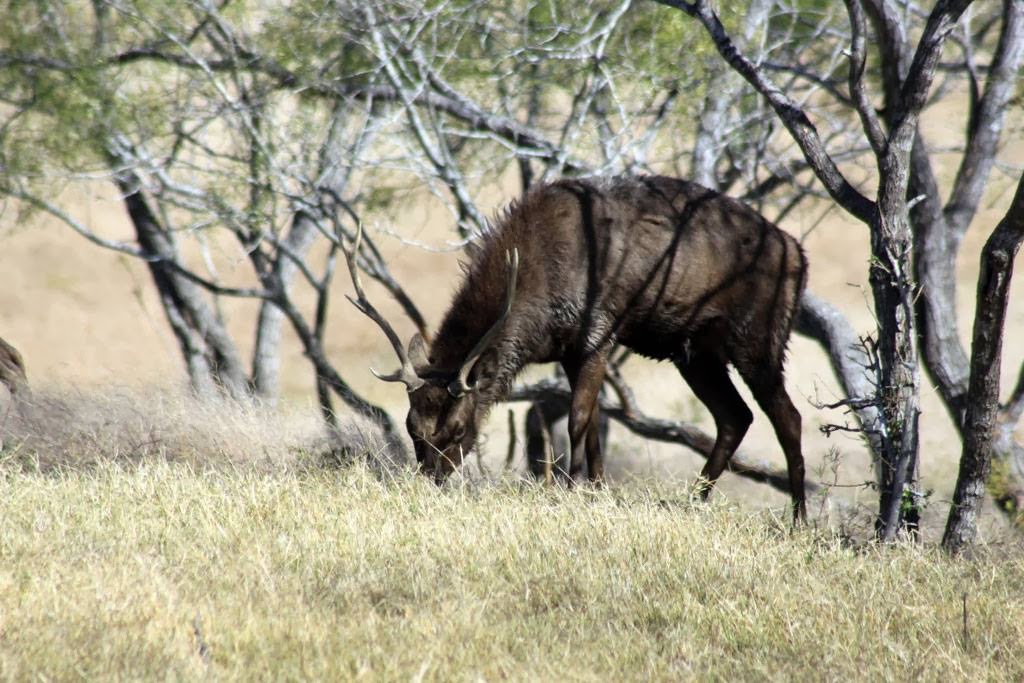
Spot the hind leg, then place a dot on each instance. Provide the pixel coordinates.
(769, 389)
(586, 377)
(708, 376)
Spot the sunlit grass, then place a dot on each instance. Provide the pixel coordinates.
(163, 570)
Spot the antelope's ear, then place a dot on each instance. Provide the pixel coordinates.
(417, 351)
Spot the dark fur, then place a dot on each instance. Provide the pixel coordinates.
(666, 267)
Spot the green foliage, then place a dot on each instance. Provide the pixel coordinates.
(78, 72)
(313, 39)
(59, 72)
(656, 44)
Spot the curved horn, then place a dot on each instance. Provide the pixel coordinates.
(459, 385)
(406, 374)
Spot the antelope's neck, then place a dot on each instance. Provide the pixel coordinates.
(459, 334)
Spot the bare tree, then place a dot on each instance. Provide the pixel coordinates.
(983, 393)
(217, 155)
(907, 218)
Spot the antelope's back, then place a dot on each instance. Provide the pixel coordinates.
(653, 260)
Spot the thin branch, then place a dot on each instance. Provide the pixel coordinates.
(791, 114)
(435, 151)
(1014, 408)
(74, 224)
(987, 126)
(858, 91)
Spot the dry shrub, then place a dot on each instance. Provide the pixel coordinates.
(56, 429)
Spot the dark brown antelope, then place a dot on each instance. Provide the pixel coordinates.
(668, 268)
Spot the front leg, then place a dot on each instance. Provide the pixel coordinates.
(585, 378)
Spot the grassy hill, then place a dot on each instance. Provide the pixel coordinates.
(161, 569)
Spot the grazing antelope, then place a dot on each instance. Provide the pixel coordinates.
(668, 268)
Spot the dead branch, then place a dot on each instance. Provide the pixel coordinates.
(669, 431)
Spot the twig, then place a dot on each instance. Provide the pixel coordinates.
(967, 633)
(512, 439)
(202, 648)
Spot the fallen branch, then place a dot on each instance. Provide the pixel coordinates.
(669, 431)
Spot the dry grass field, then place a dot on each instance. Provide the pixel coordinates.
(173, 571)
(162, 571)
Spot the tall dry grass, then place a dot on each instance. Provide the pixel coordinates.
(161, 571)
(61, 427)
(169, 540)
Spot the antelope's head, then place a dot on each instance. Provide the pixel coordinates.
(445, 409)
(444, 414)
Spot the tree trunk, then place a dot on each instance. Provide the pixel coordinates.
(208, 349)
(899, 385)
(266, 360)
(892, 284)
(907, 84)
(936, 248)
(983, 394)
